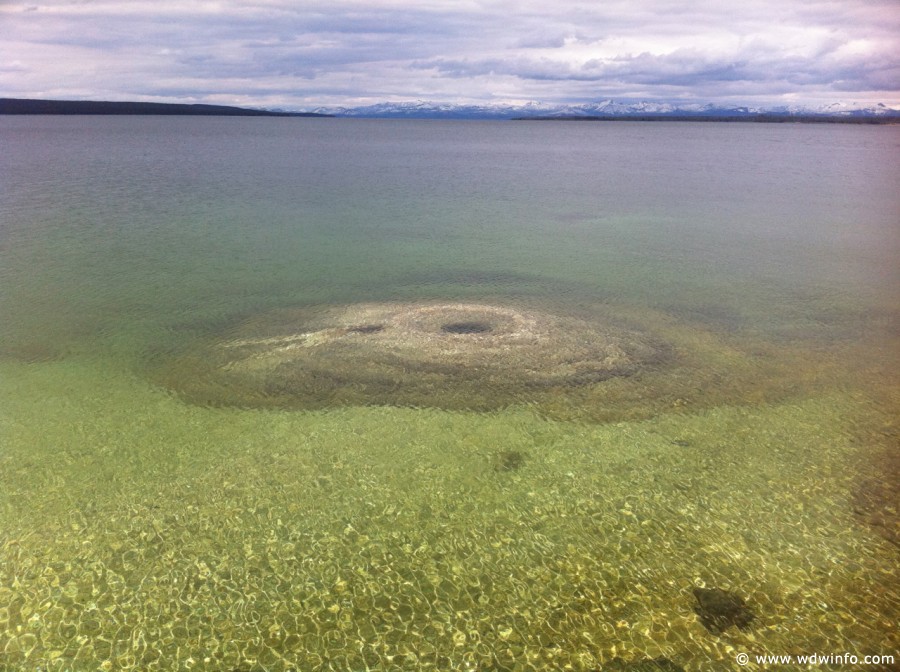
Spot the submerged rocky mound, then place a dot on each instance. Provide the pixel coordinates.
(475, 356)
(588, 362)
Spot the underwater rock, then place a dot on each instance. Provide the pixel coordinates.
(719, 609)
(508, 460)
(457, 356)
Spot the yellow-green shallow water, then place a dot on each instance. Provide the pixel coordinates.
(161, 535)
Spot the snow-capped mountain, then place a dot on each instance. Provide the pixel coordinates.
(603, 108)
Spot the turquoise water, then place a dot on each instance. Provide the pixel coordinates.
(140, 529)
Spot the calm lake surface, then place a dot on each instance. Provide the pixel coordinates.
(162, 508)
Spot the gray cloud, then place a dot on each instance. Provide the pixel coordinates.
(276, 52)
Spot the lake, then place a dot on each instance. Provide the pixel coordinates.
(334, 394)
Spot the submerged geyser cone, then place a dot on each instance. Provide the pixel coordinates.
(445, 355)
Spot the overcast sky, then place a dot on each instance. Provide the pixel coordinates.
(304, 53)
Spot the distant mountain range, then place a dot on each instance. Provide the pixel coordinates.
(611, 109)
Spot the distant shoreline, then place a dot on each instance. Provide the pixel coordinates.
(103, 107)
(32, 106)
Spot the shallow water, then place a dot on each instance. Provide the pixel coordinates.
(140, 529)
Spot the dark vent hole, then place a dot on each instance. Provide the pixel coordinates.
(466, 328)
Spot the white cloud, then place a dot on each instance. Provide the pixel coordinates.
(280, 52)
